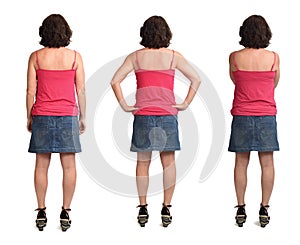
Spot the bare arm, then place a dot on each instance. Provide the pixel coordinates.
(31, 89)
(190, 73)
(80, 90)
(118, 77)
(231, 66)
(277, 69)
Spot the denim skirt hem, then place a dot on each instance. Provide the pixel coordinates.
(155, 133)
(253, 133)
(134, 149)
(55, 134)
(253, 149)
(54, 150)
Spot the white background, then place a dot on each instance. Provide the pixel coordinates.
(205, 32)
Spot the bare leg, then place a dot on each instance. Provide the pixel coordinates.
(41, 177)
(267, 176)
(240, 175)
(169, 175)
(69, 177)
(142, 175)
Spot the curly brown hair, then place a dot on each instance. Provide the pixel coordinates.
(255, 32)
(55, 32)
(155, 33)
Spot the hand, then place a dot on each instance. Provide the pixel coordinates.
(181, 107)
(128, 108)
(82, 126)
(29, 124)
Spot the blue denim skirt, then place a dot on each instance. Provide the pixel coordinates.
(155, 133)
(55, 134)
(253, 133)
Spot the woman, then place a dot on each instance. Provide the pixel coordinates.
(255, 74)
(155, 125)
(54, 73)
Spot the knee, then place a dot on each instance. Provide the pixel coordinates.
(267, 165)
(266, 160)
(169, 165)
(69, 166)
(68, 161)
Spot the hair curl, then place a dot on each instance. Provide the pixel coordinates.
(255, 32)
(155, 33)
(55, 32)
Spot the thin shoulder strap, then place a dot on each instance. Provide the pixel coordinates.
(274, 61)
(171, 65)
(74, 60)
(37, 59)
(234, 61)
(137, 60)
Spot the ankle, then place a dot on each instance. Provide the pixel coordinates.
(41, 209)
(167, 205)
(67, 210)
(266, 206)
(144, 205)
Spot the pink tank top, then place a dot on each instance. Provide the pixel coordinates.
(154, 94)
(254, 92)
(55, 94)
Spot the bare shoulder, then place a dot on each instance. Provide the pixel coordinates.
(35, 53)
(177, 54)
(32, 61)
(67, 51)
(238, 52)
(275, 57)
(132, 55)
(178, 57)
(32, 56)
(232, 55)
(130, 58)
(274, 53)
(78, 55)
(268, 52)
(271, 56)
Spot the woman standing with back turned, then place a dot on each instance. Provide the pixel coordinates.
(155, 126)
(55, 76)
(255, 74)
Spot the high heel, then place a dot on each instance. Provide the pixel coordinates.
(166, 217)
(143, 215)
(65, 222)
(263, 215)
(41, 219)
(241, 216)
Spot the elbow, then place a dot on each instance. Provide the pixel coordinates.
(30, 93)
(81, 92)
(113, 83)
(196, 83)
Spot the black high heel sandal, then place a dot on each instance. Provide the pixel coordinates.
(143, 215)
(166, 217)
(264, 217)
(65, 222)
(241, 216)
(41, 219)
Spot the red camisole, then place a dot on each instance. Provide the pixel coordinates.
(55, 94)
(254, 92)
(154, 94)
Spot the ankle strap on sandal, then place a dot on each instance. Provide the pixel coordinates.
(240, 206)
(142, 206)
(66, 209)
(40, 209)
(167, 206)
(264, 206)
